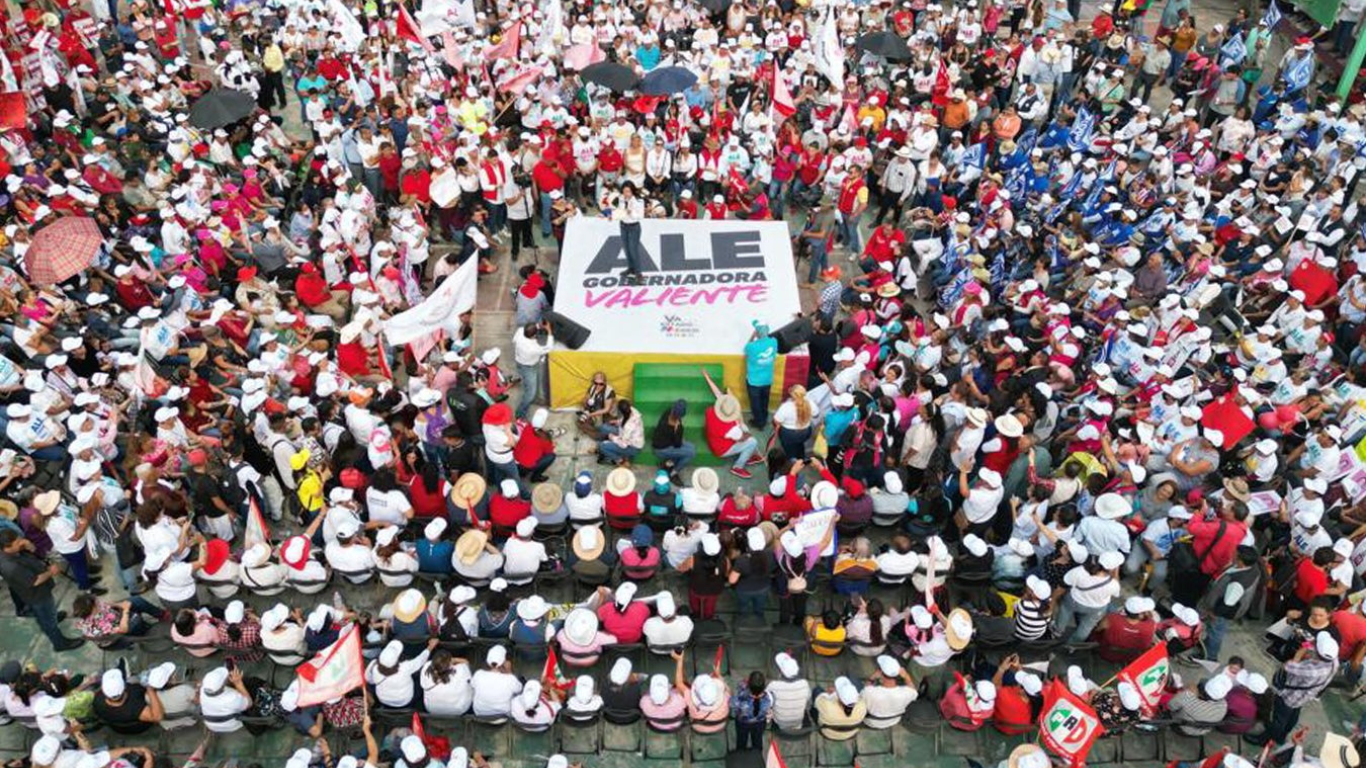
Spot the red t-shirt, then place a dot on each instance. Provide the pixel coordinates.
(716, 430)
(417, 183)
(545, 177)
(1311, 580)
(626, 626)
(1351, 627)
(531, 447)
(1013, 714)
(621, 507)
(427, 505)
(353, 359)
(506, 513)
(731, 514)
(311, 289)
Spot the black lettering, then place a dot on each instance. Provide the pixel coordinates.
(736, 250)
(673, 255)
(611, 258)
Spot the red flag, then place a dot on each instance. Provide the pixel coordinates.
(720, 657)
(13, 110)
(1148, 675)
(256, 530)
(336, 671)
(1067, 725)
(940, 93)
(508, 46)
(406, 28)
(552, 665)
(782, 98)
(382, 354)
(1227, 416)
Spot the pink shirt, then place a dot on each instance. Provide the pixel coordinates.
(665, 717)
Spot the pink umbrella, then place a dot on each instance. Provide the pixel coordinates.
(580, 56)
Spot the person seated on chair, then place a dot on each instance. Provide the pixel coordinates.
(667, 631)
(1019, 698)
(737, 511)
(639, 556)
(620, 500)
(623, 616)
(826, 634)
(662, 503)
(622, 695)
(840, 710)
(1201, 707)
(968, 704)
(1118, 709)
(855, 507)
(1125, 635)
(583, 702)
(974, 559)
(854, 567)
(791, 694)
(888, 695)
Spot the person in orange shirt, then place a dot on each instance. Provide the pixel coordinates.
(1006, 126)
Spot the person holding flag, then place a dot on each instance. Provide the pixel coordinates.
(1296, 69)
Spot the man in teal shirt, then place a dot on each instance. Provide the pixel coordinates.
(761, 354)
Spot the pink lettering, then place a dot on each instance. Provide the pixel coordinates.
(676, 296)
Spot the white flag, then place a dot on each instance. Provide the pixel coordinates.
(440, 311)
(550, 28)
(829, 51)
(352, 33)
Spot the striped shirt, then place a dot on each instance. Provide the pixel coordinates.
(1030, 621)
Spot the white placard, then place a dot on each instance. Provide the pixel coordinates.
(810, 529)
(702, 284)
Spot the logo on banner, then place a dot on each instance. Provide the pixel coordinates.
(677, 327)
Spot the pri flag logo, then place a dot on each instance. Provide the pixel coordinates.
(1068, 726)
(1148, 675)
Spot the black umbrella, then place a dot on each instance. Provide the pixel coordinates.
(610, 75)
(715, 7)
(666, 81)
(885, 44)
(220, 107)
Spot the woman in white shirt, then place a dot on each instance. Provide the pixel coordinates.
(534, 709)
(583, 503)
(392, 675)
(1091, 587)
(393, 559)
(174, 580)
(793, 421)
(385, 502)
(446, 689)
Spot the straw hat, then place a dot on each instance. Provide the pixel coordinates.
(1338, 752)
(621, 481)
(1009, 426)
(958, 629)
(728, 407)
(588, 542)
(470, 544)
(469, 488)
(47, 503)
(1028, 756)
(546, 498)
(409, 605)
(705, 480)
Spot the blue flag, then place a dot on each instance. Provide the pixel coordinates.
(1234, 50)
(1298, 72)
(1069, 190)
(1104, 178)
(1272, 17)
(1027, 140)
(1079, 138)
(954, 290)
(976, 156)
(1017, 183)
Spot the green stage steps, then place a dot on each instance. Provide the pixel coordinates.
(658, 385)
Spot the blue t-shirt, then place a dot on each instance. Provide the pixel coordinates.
(760, 357)
(434, 558)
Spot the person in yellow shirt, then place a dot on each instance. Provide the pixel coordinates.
(873, 109)
(840, 711)
(826, 634)
(273, 76)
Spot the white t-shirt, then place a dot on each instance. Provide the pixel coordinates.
(887, 705)
(225, 704)
(355, 561)
(388, 507)
(1091, 590)
(61, 529)
(493, 692)
(980, 505)
(521, 559)
(667, 634)
(176, 583)
(450, 698)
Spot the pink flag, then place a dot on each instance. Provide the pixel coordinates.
(519, 81)
(507, 47)
(449, 50)
(580, 56)
(336, 671)
(782, 98)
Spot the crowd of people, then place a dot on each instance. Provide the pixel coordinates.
(1085, 370)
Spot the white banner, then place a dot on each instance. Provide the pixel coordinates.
(829, 52)
(439, 312)
(702, 284)
(352, 33)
